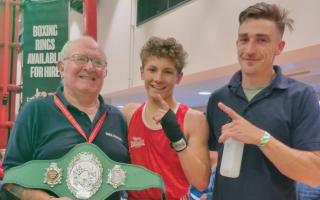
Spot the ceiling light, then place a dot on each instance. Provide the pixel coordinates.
(204, 93)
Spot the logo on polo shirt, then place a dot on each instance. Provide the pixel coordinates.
(137, 142)
(114, 136)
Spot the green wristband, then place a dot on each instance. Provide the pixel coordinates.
(264, 139)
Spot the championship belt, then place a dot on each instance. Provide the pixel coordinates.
(85, 172)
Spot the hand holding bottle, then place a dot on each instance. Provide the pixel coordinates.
(234, 135)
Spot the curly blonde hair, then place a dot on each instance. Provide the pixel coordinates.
(164, 48)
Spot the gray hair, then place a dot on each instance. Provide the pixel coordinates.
(67, 45)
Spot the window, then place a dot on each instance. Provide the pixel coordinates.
(149, 9)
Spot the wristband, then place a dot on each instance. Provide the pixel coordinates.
(171, 127)
(264, 139)
(173, 132)
(180, 145)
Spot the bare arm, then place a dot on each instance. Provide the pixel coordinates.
(194, 159)
(302, 166)
(26, 194)
(128, 110)
(29, 194)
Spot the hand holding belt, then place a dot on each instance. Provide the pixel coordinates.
(85, 172)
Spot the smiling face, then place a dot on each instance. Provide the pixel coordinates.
(160, 76)
(79, 78)
(259, 41)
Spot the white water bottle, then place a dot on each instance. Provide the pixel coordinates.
(231, 158)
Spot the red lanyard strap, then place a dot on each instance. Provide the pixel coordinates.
(76, 125)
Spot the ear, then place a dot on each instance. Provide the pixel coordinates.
(280, 47)
(142, 72)
(60, 67)
(180, 75)
(105, 73)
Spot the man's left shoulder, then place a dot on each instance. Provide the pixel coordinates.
(114, 112)
(112, 109)
(296, 85)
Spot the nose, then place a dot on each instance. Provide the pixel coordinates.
(250, 48)
(158, 76)
(89, 65)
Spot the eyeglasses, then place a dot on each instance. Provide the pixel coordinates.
(83, 60)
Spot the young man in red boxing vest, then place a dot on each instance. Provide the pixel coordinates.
(164, 135)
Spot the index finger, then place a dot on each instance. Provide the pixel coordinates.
(229, 111)
(163, 104)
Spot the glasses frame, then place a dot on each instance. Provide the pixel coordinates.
(81, 62)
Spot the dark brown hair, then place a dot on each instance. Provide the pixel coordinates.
(270, 12)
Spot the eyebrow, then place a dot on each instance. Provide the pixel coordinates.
(152, 65)
(256, 35)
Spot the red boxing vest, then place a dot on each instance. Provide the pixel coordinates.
(151, 149)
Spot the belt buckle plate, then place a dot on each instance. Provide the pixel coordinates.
(84, 176)
(116, 176)
(53, 175)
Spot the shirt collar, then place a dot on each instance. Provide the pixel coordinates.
(59, 92)
(280, 81)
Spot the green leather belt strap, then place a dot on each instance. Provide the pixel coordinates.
(84, 172)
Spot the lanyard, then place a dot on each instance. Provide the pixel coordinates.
(76, 125)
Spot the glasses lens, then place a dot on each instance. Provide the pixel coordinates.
(97, 62)
(83, 60)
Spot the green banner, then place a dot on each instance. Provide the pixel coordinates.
(45, 32)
